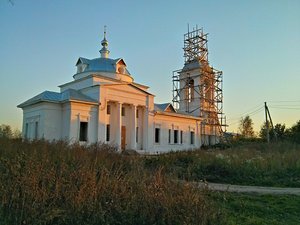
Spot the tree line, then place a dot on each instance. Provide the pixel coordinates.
(280, 132)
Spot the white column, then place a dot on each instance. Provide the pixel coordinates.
(102, 119)
(118, 124)
(133, 127)
(145, 128)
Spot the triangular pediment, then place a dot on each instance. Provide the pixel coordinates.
(120, 62)
(165, 107)
(128, 88)
(81, 61)
(170, 108)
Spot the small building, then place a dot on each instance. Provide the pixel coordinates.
(103, 103)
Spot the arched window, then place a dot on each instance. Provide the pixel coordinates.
(189, 91)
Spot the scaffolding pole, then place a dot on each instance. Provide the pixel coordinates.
(208, 91)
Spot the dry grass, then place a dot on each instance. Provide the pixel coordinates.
(54, 183)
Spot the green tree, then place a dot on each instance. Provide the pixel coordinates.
(5, 131)
(246, 127)
(279, 131)
(293, 133)
(263, 131)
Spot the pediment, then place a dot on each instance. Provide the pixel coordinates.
(170, 108)
(81, 61)
(121, 62)
(129, 88)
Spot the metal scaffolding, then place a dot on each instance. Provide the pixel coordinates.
(206, 96)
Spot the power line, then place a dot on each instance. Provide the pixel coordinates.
(275, 107)
(247, 112)
(286, 101)
(250, 114)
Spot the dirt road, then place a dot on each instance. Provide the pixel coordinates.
(249, 189)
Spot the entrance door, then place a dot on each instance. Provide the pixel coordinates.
(123, 137)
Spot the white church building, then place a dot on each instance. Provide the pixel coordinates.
(104, 104)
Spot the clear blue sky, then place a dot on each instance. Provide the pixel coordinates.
(255, 43)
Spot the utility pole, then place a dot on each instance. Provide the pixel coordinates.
(267, 122)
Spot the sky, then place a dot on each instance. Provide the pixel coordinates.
(255, 43)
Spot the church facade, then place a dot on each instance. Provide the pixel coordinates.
(104, 104)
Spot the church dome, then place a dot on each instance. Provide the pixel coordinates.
(104, 66)
(113, 68)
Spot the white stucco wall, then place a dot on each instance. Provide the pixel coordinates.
(83, 113)
(48, 117)
(186, 125)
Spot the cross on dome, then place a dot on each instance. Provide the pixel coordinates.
(104, 50)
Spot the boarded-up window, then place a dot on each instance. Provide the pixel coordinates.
(83, 132)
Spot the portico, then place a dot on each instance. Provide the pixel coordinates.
(124, 127)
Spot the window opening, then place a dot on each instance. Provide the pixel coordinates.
(157, 133)
(83, 131)
(175, 136)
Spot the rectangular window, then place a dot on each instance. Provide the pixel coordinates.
(192, 137)
(137, 135)
(169, 136)
(36, 130)
(175, 136)
(26, 130)
(83, 131)
(107, 132)
(137, 113)
(123, 111)
(181, 137)
(108, 110)
(157, 133)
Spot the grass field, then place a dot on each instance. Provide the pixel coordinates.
(260, 164)
(257, 209)
(56, 183)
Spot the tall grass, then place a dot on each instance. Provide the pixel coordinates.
(276, 164)
(55, 183)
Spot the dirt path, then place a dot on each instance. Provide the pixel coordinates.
(249, 189)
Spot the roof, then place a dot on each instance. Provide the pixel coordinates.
(176, 114)
(168, 110)
(101, 64)
(140, 89)
(55, 97)
(195, 64)
(165, 107)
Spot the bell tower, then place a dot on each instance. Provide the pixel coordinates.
(197, 87)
